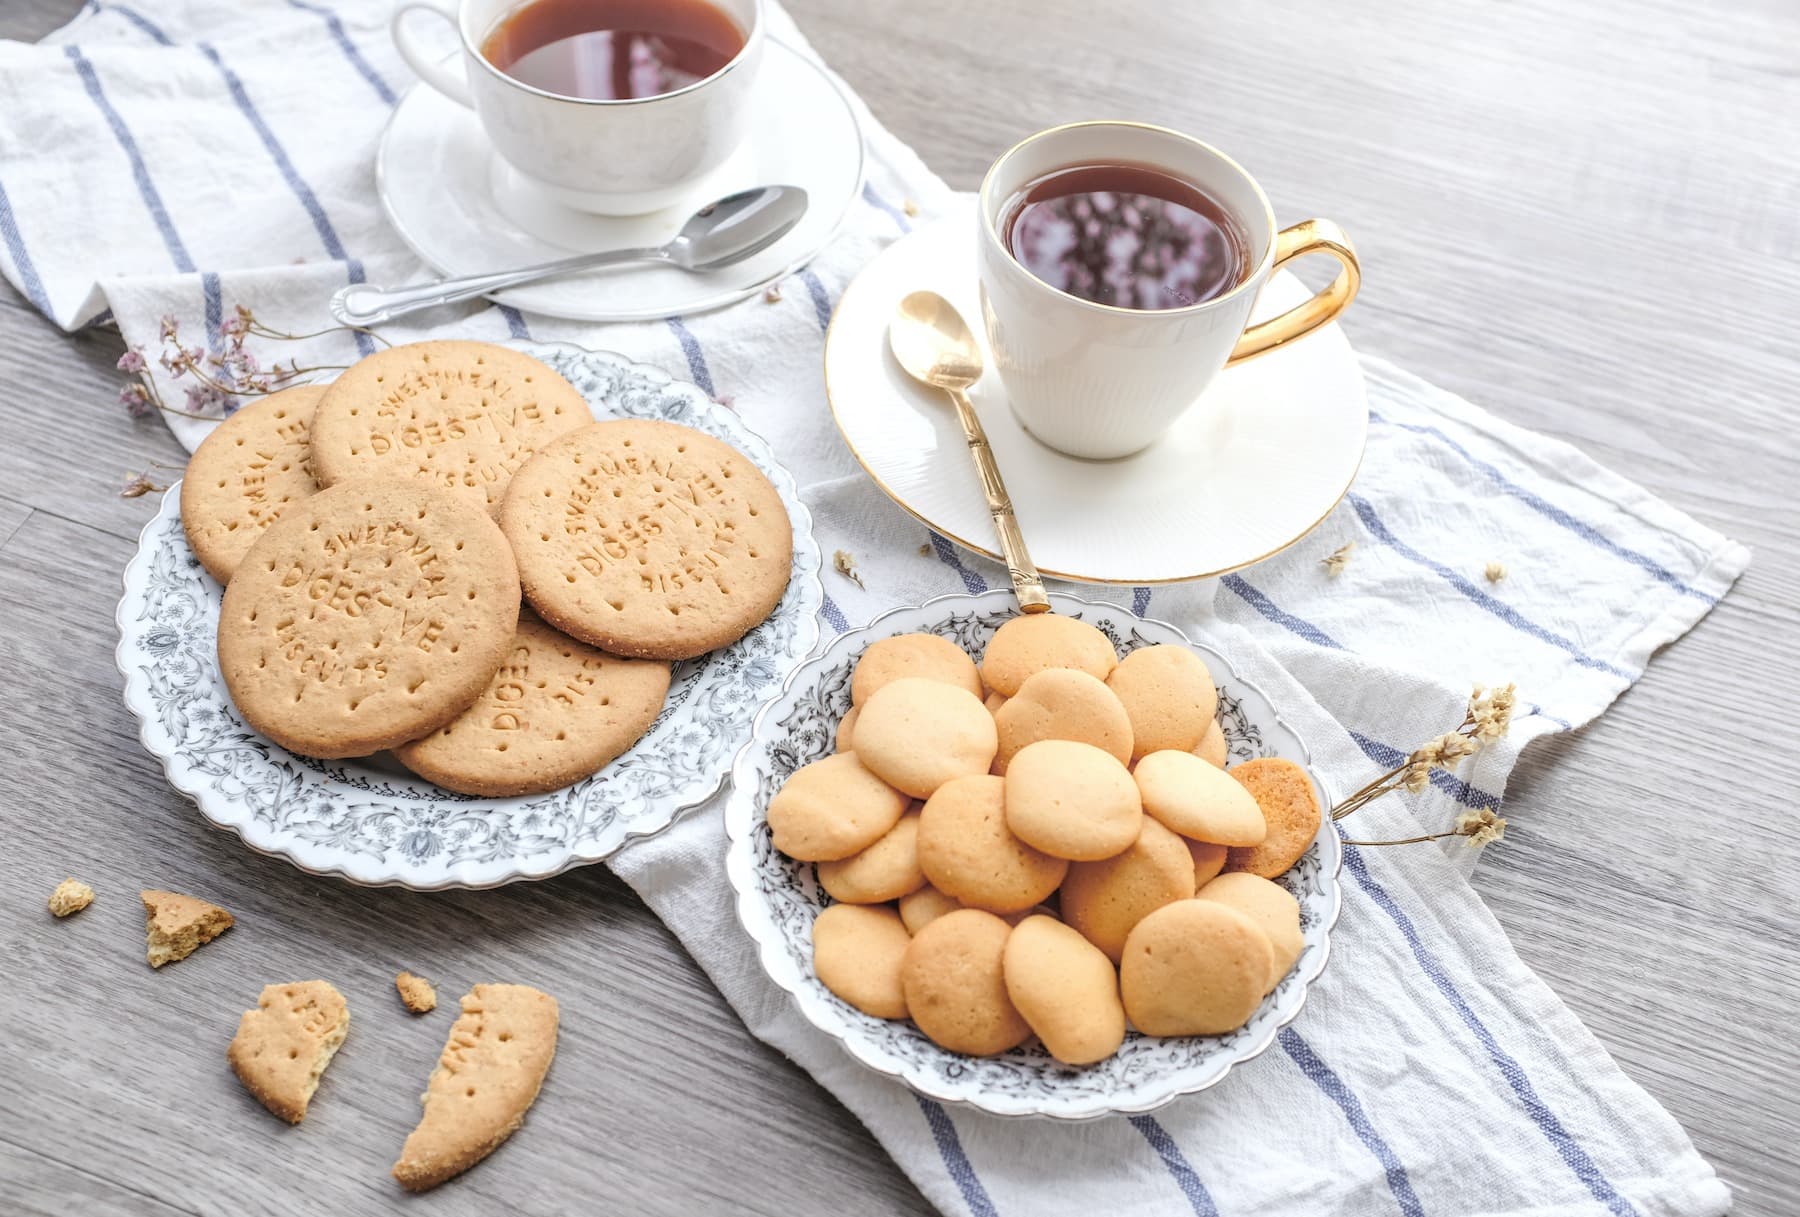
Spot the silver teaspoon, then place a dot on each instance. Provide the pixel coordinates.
(724, 231)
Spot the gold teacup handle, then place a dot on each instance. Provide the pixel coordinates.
(1306, 237)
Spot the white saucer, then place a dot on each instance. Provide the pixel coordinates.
(1258, 465)
(464, 210)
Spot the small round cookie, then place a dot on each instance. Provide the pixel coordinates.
(831, 809)
(923, 655)
(1290, 808)
(649, 539)
(846, 730)
(1195, 967)
(916, 734)
(857, 951)
(370, 614)
(1072, 800)
(1062, 703)
(1033, 642)
(1065, 990)
(243, 476)
(464, 416)
(1212, 747)
(1104, 900)
(919, 909)
(555, 712)
(954, 980)
(968, 854)
(1271, 906)
(1198, 800)
(886, 870)
(1169, 695)
(1209, 860)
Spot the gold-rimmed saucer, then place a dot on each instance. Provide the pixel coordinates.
(1253, 468)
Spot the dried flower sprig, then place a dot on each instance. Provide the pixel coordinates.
(844, 564)
(1487, 718)
(1335, 561)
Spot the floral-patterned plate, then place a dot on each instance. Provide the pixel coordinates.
(778, 898)
(372, 822)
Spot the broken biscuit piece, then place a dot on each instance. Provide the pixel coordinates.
(282, 1047)
(70, 896)
(175, 925)
(416, 993)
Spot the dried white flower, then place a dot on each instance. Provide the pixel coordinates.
(1337, 559)
(1495, 572)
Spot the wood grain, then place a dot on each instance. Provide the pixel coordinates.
(1583, 217)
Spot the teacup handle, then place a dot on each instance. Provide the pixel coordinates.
(1306, 237)
(448, 81)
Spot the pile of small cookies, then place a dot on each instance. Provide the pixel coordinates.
(441, 553)
(1046, 844)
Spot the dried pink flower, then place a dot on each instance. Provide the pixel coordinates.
(132, 360)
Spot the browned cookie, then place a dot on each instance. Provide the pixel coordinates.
(968, 854)
(1062, 703)
(1170, 696)
(1033, 642)
(370, 614)
(489, 1073)
(245, 474)
(648, 539)
(831, 809)
(954, 980)
(282, 1047)
(886, 870)
(1105, 899)
(461, 416)
(857, 951)
(903, 655)
(1195, 967)
(1289, 807)
(555, 712)
(1065, 989)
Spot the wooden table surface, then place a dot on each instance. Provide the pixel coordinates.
(1585, 217)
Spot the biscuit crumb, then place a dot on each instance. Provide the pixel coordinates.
(176, 925)
(909, 207)
(416, 993)
(925, 550)
(70, 896)
(845, 565)
(1495, 572)
(772, 294)
(1337, 559)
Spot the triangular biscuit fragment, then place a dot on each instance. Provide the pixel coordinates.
(175, 925)
(499, 1050)
(282, 1047)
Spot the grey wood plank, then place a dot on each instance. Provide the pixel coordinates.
(39, 1184)
(1580, 217)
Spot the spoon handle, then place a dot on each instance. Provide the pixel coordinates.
(1028, 585)
(366, 304)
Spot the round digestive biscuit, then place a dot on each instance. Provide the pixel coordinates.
(846, 730)
(1194, 967)
(1169, 695)
(954, 979)
(1285, 796)
(463, 416)
(1062, 703)
(1271, 906)
(967, 852)
(1209, 860)
(886, 870)
(245, 474)
(1071, 800)
(1212, 747)
(1197, 800)
(555, 712)
(1036, 641)
(903, 655)
(1105, 899)
(916, 734)
(370, 614)
(857, 951)
(831, 809)
(650, 539)
(1065, 990)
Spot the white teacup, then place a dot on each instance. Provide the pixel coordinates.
(1095, 380)
(615, 157)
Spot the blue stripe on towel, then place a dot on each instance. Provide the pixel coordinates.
(1584, 1167)
(956, 1161)
(353, 269)
(1390, 757)
(515, 323)
(1140, 601)
(1327, 1080)
(321, 222)
(363, 67)
(696, 358)
(1268, 608)
(138, 19)
(1551, 511)
(1186, 1178)
(834, 616)
(973, 583)
(820, 297)
(880, 204)
(1481, 599)
(140, 172)
(15, 245)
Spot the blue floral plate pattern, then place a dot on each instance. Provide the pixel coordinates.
(371, 822)
(778, 898)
